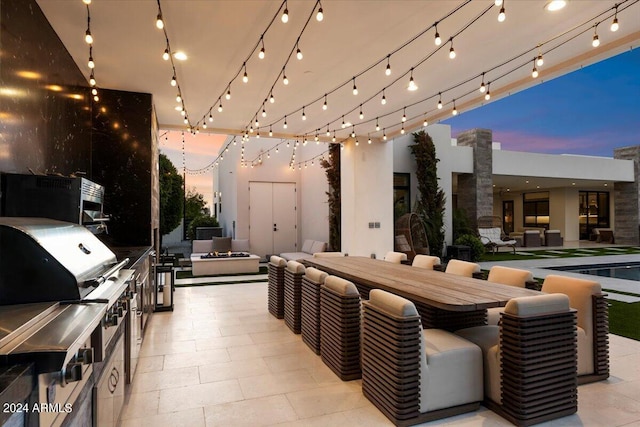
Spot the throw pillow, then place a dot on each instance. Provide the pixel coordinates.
(221, 244)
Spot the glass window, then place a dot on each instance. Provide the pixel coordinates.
(401, 194)
(593, 212)
(535, 207)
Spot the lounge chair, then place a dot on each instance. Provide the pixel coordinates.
(492, 239)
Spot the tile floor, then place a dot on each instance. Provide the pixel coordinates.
(220, 359)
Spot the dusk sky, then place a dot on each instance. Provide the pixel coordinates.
(590, 111)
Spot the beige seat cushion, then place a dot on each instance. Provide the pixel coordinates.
(395, 257)
(487, 338)
(425, 261)
(295, 267)
(341, 286)
(462, 268)
(392, 304)
(579, 292)
(509, 276)
(315, 275)
(277, 261)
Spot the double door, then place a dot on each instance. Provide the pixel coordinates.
(272, 217)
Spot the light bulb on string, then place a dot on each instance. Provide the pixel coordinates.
(614, 24)
(91, 64)
(159, 21)
(174, 82)
(258, 135)
(483, 87)
(328, 131)
(452, 52)
(182, 112)
(285, 80)
(315, 138)
(270, 131)
(455, 110)
(88, 38)
(440, 101)
(502, 15)
(96, 98)
(245, 77)
(387, 71)
(92, 79)
(595, 42)
(487, 96)
(220, 108)
(285, 14)
(353, 132)
(402, 130)
(384, 134)
(304, 116)
(355, 89)
(357, 142)
(94, 91)
(320, 14)
(333, 139)
(166, 55)
(343, 123)
(285, 126)
(498, 3)
(178, 98)
(271, 98)
(298, 52)
(404, 114)
(264, 112)
(412, 84)
(534, 72)
(383, 100)
(369, 140)
(361, 115)
(539, 60)
(262, 52)
(437, 40)
(204, 125)
(377, 125)
(86, 1)
(186, 120)
(257, 123)
(210, 117)
(324, 106)
(228, 95)
(425, 123)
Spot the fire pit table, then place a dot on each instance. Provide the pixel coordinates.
(224, 263)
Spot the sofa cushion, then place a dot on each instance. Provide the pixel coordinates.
(222, 244)
(240, 245)
(306, 246)
(317, 246)
(295, 256)
(202, 246)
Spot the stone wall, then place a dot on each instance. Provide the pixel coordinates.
(475, 191)
(626, 200)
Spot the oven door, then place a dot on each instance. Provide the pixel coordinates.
(108, 393)
(133, 337)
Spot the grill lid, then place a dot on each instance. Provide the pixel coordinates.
(48, 260)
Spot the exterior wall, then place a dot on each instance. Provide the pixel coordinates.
(367, 196)
(475, 191)
(311, 186)
(626, 194)
(452, 160)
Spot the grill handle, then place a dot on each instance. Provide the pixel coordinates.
(103, 278)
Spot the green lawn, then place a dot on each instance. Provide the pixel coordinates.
(505, 255)
(624, 319)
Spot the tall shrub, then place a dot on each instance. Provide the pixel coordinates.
(332, 170)
(430, 201)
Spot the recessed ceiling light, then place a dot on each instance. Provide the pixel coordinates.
(180, 55)
(554, 5)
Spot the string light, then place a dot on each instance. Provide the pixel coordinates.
(355, 89)
(264, 112)
(328, 131)
(298, 52)
(204, 126)
(487, 96)
(614, 24)
(387, 71)
(271, 133)
(92, 79)
(452, 52)
(343, 123)
(425, 123)
(437, 40)
(539, 60)
(271, 98)
(377, 125)
(534, 72)
(285, 126)
(178, 98)
(404, 114)
(159, 21)
(220, 108)
(304, 116)
(402, 130)
(174, 82)
(498, 3)
(245, 77)
(320, 14)
(369, 140)
(88, 38)
(166, 55)
(502, 15)
(353, 131)
(440, 101)
(228, 95)
(384, 134)
(454, 111)
(383, 100)
(595, 42)
(324, 106)
(261, 53)
(285, 80)
(285, 14)
(361, 115)
(483, 88)
(91, 64)
(412, 85)
(210, 117)
(333, 139)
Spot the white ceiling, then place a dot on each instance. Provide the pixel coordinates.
(219, 35)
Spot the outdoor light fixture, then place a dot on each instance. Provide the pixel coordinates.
(534, 72)
(614, 25)
(595, 42)
(264, 112)
(210, 117)
(324, 106)
(285, 80)
(487, 96)
(455, 110)
(384, 135)
(483, 87)
(384, 99)
(320, 14)
(285, 126)
(228, 95)
(159, 21)
(92, 79)
(377, 125)
(304, 116)
(425, 123)
(440, 101)
(402, 130)
(88, 37)
(355, 89)
(404, 115)
(412, 84)
(555, 5)
(502, 15)
(452, 52)
(539, 60)
(298, 53)
(245, 77)
(220, 108)
(261, 53)
(361, 115)
(174, 82)
(178, 98)
(498, 2)
(437, 40)
(285, 14)
(388, 70)
(165, 55)
(271, 98)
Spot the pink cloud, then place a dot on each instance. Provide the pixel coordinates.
(523, 141)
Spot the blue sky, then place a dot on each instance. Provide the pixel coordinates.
(590, 111)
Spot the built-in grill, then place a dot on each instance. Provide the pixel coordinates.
(63, 306)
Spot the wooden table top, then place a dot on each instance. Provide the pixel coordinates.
(435, 288)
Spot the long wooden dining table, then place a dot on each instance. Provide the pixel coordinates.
(444, 300)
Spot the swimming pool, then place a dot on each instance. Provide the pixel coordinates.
(626, 270)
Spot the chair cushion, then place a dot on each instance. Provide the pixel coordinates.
(202, 246)
(240, 245)
(295, 267)
(306, 246)
(462, 268)
(493, 315)
(317, 246)
(487, 338)
(493, 234)
(537, 305)
(395, 257)
(341, 286)
(277, 261)
(579, 292)
(315, 275)
(425, 261)
(392, 304)
(295, 256)
(509, 276)
(222, 244)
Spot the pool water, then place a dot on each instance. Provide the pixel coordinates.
(627, 271)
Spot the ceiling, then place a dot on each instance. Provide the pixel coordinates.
(218, 36)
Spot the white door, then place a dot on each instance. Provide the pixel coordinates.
(272, 217)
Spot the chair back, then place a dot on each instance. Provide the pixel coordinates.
(327, 254)
(425, 261)
(509, 276)
(395, 257)
(462, 268)
(580, 293)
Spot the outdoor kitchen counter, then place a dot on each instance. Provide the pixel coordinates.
(17, 382)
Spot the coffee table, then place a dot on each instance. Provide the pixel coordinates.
(230, 265)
